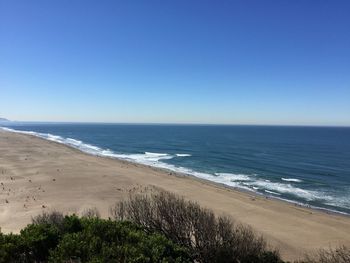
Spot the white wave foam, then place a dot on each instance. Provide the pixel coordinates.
(85, 147)
(235, 177)
(291, 180)
(156, 154)
(271, 192)
(183, 155)
(340, 201)
(287, 189)
(146, 158)
(73, 141)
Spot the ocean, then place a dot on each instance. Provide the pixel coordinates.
(306, 165)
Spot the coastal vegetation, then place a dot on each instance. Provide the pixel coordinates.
(58, 238)
(338, 255)
(207, 237)
(156, 227)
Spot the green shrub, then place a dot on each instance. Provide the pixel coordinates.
(105, 241)
(11, 248)
(38, 239)
(88, 240)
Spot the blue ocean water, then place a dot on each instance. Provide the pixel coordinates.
(306, 165)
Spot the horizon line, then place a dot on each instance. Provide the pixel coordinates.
(179, 123)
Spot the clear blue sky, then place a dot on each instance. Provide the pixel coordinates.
(232, 62)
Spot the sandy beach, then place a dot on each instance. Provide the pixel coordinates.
(38, 175)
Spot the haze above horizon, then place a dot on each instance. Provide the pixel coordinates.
(237, 62)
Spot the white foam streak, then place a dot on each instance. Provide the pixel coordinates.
(183, 155)
(156, 154)
(235, 177)
(271, 192)
(291, 180)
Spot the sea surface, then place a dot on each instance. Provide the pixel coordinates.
(305, 165)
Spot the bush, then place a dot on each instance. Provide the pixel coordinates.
(208, 238)
(338, 255)
(11, 248)
(38, 240)
(106, 241)
(53, 218)
(73, 239)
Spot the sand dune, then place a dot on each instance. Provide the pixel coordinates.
(38, 175)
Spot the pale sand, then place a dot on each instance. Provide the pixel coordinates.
(39, 175)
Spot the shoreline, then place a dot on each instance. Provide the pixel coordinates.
(69, 180)
(177, 173)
